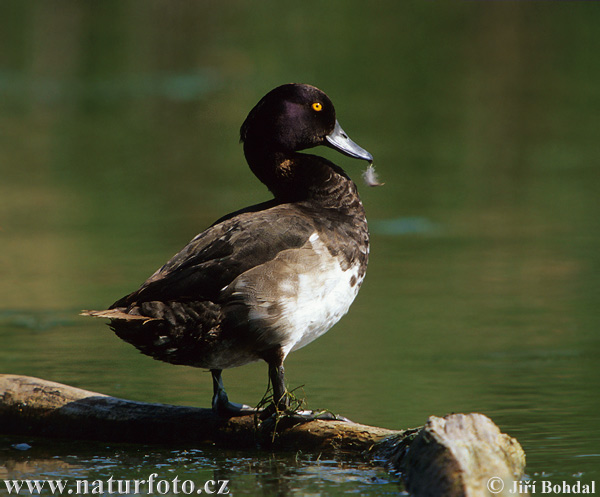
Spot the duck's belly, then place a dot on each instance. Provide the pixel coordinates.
(299, 295)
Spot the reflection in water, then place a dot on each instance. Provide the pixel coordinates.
(258, 473)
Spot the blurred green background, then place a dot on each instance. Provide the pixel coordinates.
(119, 128)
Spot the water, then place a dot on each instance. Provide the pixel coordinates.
(242, 473)
(119, 143)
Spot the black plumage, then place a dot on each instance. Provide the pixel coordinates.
(269, 278)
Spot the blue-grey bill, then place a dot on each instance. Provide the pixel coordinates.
(339, 140)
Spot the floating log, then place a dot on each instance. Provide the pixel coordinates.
(451, 456)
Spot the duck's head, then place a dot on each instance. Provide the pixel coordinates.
(295, 117)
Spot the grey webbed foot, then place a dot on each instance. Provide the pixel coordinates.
(279, 421)
(309, 415)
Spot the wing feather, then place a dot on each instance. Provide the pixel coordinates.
(215, 257)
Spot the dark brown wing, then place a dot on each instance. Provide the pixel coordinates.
(215, 257)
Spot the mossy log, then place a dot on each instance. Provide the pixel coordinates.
(451, 456)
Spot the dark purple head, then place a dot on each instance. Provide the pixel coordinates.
(295, 117)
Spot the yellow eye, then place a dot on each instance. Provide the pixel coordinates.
(317, 106)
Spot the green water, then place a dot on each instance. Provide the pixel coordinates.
(119, 142)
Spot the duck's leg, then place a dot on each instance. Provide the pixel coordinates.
(277, 377)
(220, 401)
(281, 399)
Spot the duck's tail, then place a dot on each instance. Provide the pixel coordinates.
(175, 332)
(117, 314)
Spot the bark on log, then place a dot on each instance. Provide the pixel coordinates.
(451, 456)
(458, 455)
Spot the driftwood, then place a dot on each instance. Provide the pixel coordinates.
(451, 456)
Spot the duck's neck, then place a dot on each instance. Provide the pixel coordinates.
(295, 177)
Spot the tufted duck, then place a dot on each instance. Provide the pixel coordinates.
(270, 278)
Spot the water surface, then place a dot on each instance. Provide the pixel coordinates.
(119, 143)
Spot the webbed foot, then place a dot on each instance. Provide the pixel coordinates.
(283, 420)
(310, 415)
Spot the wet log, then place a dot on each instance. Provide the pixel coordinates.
(451, 456)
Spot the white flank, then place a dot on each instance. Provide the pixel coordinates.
(322, 297)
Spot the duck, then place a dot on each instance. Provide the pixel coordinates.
(268, 279)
